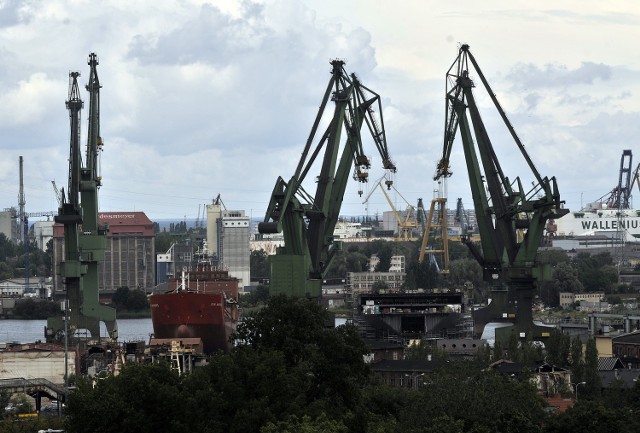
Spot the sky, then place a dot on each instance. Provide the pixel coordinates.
(206, 98)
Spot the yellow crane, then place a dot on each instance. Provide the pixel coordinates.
(436, 220)
(407, 224)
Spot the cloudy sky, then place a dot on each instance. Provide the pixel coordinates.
(202, 98)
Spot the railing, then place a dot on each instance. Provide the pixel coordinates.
(18, 384)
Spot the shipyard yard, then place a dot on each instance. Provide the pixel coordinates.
(250, 216)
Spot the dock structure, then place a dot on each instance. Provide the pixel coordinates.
(408, 316)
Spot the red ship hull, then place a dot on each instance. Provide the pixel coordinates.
(205, 307)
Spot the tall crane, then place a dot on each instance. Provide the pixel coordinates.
(436, 231)
(84, 237)
(406, 224)
(57, 192)
(511, 220)
(620, 196)
(307, 222)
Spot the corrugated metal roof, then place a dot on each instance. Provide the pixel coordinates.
(609, 363)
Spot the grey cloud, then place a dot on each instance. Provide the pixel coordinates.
(14, 12)
(210, 37)
(529, 76)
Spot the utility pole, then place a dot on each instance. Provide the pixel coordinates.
(23, 225)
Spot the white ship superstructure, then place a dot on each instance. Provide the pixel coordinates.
(622, 224)
(610, 217)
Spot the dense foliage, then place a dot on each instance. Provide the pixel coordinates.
(130, 300)
(35, 309)
(14, 258)
(294, 374)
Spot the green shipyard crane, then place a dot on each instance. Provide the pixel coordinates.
(84, 237)
(307, 222)
(511, 220)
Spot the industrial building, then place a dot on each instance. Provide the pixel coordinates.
(43, 233)
(567, 298)
(362, 282)
(228, 236)
(38, 287)
(129, 259)
(8, 225)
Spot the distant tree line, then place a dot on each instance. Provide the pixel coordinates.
(12, 259)
(125, 299)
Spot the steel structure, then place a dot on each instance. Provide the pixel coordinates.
(436, 231)
(307, 222)
(84, 238)
(407, 224)
(511, 220)
(620, 196)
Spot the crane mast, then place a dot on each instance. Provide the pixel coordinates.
(84, 238)
(511, 220)
(620, 196)
(307, 222)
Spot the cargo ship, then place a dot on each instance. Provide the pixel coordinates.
(620, 224)
(201, 303)
(609, 220)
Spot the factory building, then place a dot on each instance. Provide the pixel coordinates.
(8, 225)
(234, 234)
(228, 236)
(43, 233)
(129, 259)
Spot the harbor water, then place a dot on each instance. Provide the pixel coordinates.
(29, 331)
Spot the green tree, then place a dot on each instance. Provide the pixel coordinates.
(591, 376)
(425, 274)
(35, 309)
(566, 279)
(333, 357)
(379, 286)
(130, 300)
(163, 241)
(137, 301)
(577, 363)
(305, 425)
(553, 256)
(596, 271)
(259, 264)
(558, 348)
(465, 270)
(594, 417)
(498, 351)
(120, 297)
(108, 406)
(475, 400)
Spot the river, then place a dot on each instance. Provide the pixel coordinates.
(29, 331)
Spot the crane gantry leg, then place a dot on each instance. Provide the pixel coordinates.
(436, 219)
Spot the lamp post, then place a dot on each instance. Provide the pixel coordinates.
(413, 379)
(576, 385)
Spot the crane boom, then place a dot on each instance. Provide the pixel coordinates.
(511, 220)
(307, 222)
(406, 224)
